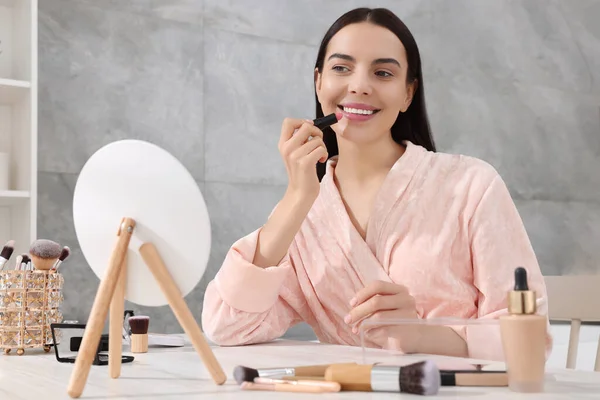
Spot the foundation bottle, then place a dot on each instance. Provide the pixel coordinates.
(523, 338)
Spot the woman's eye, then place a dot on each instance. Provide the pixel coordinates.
(383, 74)
(339, 68)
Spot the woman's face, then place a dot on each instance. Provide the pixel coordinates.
(364, 76)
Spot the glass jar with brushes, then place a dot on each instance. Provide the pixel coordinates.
(31, 297)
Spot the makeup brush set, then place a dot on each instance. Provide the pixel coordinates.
(44, 255)
(420, 378)
(30, 295)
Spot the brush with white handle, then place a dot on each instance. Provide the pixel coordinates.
(6, 252)
(25, 262)
(18, 262)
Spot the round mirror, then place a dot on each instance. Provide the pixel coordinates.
(139, 180)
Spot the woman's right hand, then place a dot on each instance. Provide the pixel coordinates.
(301, 155)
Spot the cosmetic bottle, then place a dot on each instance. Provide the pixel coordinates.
(523, 338)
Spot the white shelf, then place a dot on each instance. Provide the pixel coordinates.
(12, 197)
(12, 90)
(18, 120)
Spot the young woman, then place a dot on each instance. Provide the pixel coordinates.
(386, 227)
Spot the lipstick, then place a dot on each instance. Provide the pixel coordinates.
(327, 121)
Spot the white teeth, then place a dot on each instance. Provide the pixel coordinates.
(358, 111)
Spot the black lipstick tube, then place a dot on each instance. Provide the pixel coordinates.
(325, 122)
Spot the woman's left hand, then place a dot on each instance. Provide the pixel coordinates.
(380, 301)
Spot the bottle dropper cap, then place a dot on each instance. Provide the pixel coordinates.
(521, 279)
(521, 300)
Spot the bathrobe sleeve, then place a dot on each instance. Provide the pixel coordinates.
(499, 243)
(246, 304)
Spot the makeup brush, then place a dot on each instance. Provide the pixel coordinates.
(419, 378)
(25, 260)
(44, 253)
(139, 333)
(246, 374)
(18, 262)
(6, 252)
(66, 251)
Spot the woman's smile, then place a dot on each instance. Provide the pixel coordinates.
(358, 111)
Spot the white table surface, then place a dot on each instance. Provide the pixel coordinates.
(178, 373)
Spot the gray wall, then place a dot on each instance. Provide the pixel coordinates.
(516, 83)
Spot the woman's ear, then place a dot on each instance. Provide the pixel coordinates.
(317, 81)
(410, 93)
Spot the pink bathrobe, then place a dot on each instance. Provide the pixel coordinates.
(442, 225)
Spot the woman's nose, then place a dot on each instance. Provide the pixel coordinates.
(359, 84)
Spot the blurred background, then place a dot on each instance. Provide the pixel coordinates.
(516, 83)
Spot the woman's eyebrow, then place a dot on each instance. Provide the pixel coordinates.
(386, 61)
(352, 59)
(342, 56)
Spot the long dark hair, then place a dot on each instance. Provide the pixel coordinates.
(412, 125)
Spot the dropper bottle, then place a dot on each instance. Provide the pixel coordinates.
(524, 338)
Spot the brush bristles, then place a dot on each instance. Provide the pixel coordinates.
(420, 378)
(8, 249)
(139, 324)
(64, 253)
(244, 374)
(46, 249)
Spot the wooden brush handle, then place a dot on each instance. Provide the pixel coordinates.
(181, 310)
(95, 324)
(305, 377)
(356, 378)
(328, 386)
(117, 310)
(139, 343)
(316, 370)
(481, 379)
(286, 387)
